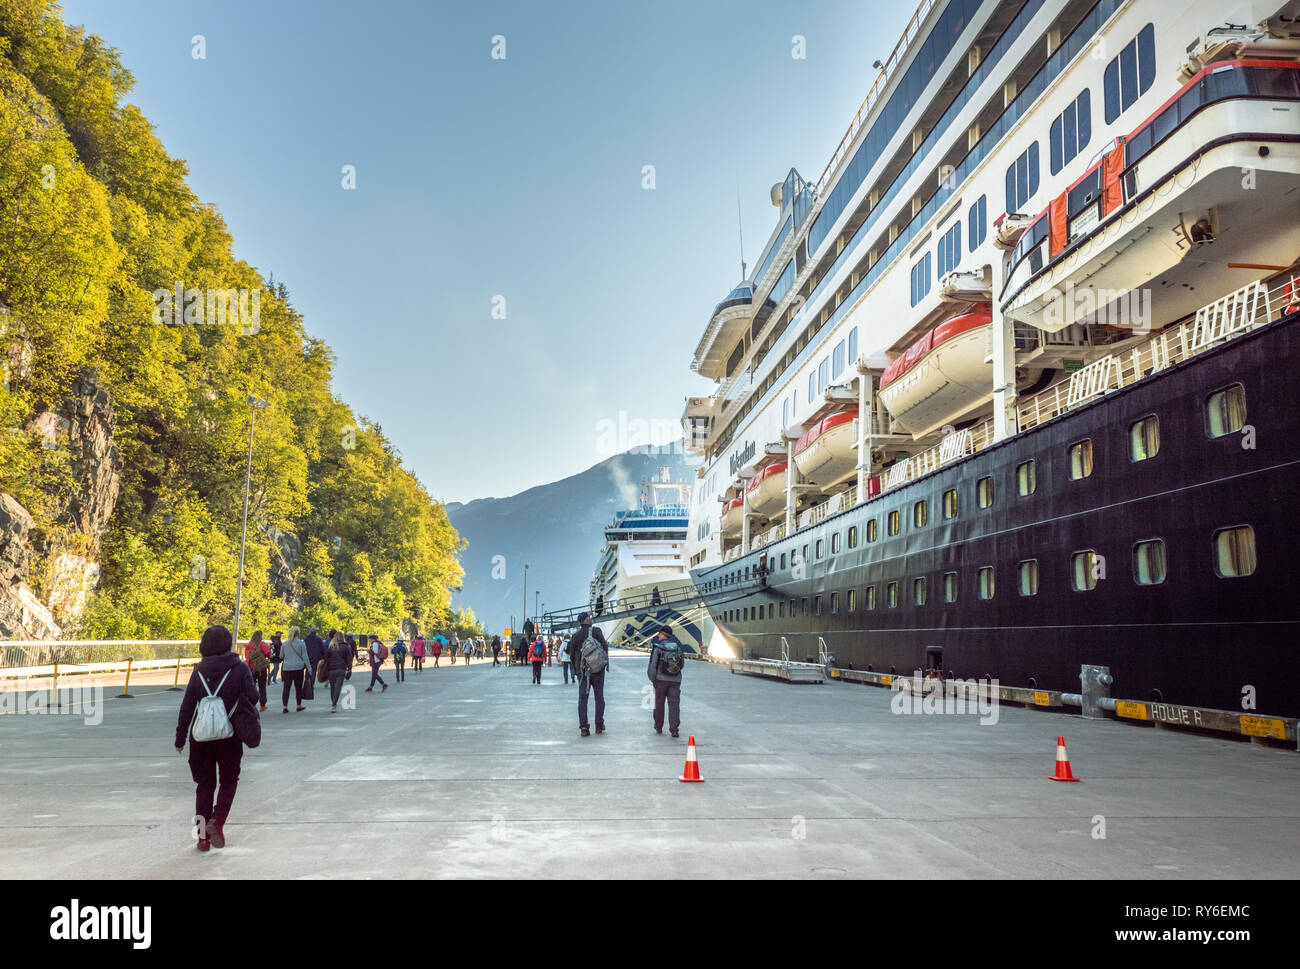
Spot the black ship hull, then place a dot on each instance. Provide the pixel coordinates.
(1196, 638)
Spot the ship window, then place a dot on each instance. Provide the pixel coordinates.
(921, 513)
(835, 603)
(853, 537)
(950, 587)
(850, 602)
(837, 359)
(977, 223)
(817, 605)
(1027, 478)
(823, 375)
(1144, 438)
(918, 590)
(921, 279)
(812, 386)
(771, 610)
(891, 595)
(785, 413)
(1088, 569)
(1022, 180)
(804, 556)
(949, 250)
(1071, 131)
(984, 492)
(803, 606)
(1029, 577)
(1080, 460)
(853, 344)
(872, 530)
(1234, 552)
(986, 582)
(1149, 562)
(835, 543)
(871, 597)
(821, 547)
(782, 561)
(1225, 411)
(895, 523)
(1130, 74)
(950, 504)
(793, 606)
(781, 610)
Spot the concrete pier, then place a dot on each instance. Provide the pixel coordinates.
(475, 772)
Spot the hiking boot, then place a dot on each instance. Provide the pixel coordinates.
(216, 835)
(586, 732)
(204, 844)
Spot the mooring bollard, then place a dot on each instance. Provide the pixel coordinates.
(125, 695)
(1096, 682)
(177, 680)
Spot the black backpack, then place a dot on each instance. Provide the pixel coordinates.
(670, 659)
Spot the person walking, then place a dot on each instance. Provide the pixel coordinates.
(297, 666)
(588, 679)
(257, 654)
(315, 653)
(565, 663)
(276, 646)
(399, 660)
(468, 650)
(376, 655)
(454, 647)
(338, 667)
(496, 650)
(438, 642)
(600, 603)
(417, 653)
(219, 673)
(667, 659)
(537, 656)
(655, 598)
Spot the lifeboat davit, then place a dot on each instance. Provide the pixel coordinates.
(942, 375)
(825, 454)
(732, 516)
(766, 490)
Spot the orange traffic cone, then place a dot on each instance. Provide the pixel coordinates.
(691, 772)
(1062, 763)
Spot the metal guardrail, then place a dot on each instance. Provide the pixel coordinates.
(20, 653)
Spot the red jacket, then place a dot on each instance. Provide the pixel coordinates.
(260, 644)
(537, 652)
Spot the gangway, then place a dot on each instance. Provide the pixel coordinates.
(689, 595)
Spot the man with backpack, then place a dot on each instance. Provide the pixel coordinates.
(667, 659)
(589, 654)
(216, 686)
(537, 655)
(377, 653)
(399, 660)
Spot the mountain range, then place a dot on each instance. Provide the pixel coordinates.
(556, 529)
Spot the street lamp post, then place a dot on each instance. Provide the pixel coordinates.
(256, 404)
(537, 615)
(525, 592)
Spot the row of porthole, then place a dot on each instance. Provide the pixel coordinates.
(1233, 551)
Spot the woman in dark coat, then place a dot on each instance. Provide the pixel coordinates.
(338, 666)
(207, 757)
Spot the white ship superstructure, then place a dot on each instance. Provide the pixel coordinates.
(644, 552)
(1021, 177)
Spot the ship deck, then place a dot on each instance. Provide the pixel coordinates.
(474, 772)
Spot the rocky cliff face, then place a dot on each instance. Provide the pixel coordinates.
(67, 553)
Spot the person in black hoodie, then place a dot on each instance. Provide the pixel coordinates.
(207, 757)
(315, 652)
(338, 665)
(277, 645)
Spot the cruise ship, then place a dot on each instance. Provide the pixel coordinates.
(1012, 386)
(644, 554)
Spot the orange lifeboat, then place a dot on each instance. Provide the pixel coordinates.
(825, 454)
(942, 375)
(732, 516)
(766, 490)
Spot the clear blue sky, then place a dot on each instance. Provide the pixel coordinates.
(519, 177)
